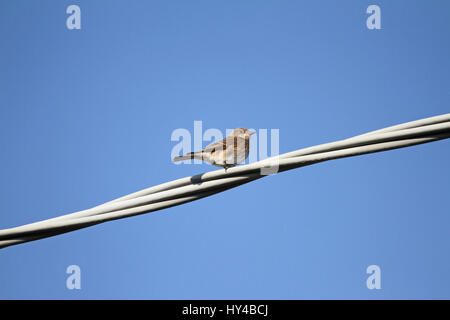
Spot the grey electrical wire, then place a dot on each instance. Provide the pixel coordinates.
(192, 188)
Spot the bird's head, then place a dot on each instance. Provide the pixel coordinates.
(242, 132)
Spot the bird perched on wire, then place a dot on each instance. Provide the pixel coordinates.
(226, 153)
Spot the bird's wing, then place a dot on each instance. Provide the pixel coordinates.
(219, 145)
(230, 144)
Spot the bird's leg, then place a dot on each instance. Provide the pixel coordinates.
(225, 167)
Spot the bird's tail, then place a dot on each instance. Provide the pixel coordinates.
(188, 156)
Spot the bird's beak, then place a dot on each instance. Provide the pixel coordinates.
(251, 132)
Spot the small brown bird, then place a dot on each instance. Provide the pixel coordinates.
(226, 153)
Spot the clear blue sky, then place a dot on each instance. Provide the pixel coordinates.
(86, 116)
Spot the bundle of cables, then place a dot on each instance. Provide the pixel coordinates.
(192, 188)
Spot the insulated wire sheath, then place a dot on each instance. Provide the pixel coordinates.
(192, 188)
